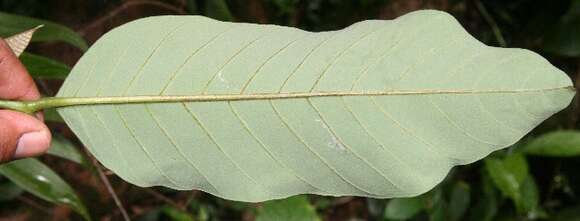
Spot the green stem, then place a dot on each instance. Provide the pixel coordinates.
(57, 102)
(20, 106)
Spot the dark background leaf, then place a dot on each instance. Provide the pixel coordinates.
(11, 24)
(555, 144)
(44, 68)
(36, 178)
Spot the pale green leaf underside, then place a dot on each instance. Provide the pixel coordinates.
(378, 145)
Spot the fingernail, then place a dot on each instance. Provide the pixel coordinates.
(31, 144)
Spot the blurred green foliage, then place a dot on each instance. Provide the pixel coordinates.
(535, 179)
(293, 208)
(563, 37)
(36, 178)
(11, 24)
(41, 67)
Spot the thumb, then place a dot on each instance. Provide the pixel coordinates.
(21, 136)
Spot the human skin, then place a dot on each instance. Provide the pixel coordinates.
(21, 135)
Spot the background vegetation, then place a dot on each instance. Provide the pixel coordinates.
(536, 179)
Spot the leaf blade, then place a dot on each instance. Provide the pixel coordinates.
(373, 144)
(403, 208)
(36, 178)
(293, 208)
(64, 148)
(11, 24)
(41, 67)
(555, 144)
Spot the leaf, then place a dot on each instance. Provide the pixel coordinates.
(486, 207)
(375, 207)
(191, 6)
(530, 199)
(20, 41)
(36, 178)
(290, 209)
(509, 175)
(53, 116)
(438, 210)
(63, 148)
(218, 9)
(150, 215)
(204, 211)
(403, 208)
(564, 143)
(459, 201)
(258, 112)
(9, 191)
(41, 67)
(564, 37)
(175, 214)
(11, 24)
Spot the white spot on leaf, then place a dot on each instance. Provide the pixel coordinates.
(223, 80)
(41, 178)
(334, 142)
